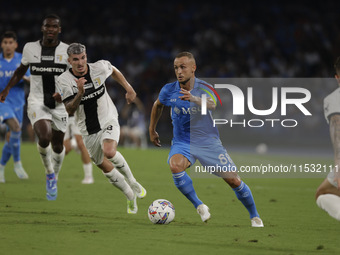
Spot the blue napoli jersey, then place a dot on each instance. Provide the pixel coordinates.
(16, 95)
(189, 125)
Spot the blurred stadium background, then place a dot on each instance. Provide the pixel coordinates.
(244, 39)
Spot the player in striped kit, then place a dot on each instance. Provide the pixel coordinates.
(328, 193)
(11, 111)
(82, 89)
(46, 58)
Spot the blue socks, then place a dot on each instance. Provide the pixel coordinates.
(14, 142)
(6, 153)
(243, 194)
(184, 183)
(11, 148)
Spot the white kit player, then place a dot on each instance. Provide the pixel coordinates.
(328, 193)
(82, 89)
(46, 58)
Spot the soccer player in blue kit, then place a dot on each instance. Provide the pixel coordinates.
(11, 111)
(195, 137)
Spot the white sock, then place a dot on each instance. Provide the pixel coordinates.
(87, 169)
(45, 155)
(120, 163)
(2, 174)
(331, 204)
(18, 164)
(57, 161)
(117, 180)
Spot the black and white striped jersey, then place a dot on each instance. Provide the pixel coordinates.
(46, 64)
(96, 108)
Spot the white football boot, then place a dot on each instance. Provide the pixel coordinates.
(256, 222)
(20, 171)
(87, 180)
(203, 211)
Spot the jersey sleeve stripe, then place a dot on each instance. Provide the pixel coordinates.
(68, 98)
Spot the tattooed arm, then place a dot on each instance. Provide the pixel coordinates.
(334, 128)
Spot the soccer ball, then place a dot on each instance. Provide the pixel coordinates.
(161, 211)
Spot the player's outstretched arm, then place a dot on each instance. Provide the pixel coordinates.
(72, 105)
(156, 113)
(119, 77)
(17, 76)
(334, 128)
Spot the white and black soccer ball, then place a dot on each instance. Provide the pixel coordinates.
(161, 211)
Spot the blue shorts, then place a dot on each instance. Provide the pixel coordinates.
(9, 112)
(180, 148)
(214, 155)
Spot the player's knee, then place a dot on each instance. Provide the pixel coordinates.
(16, 128)
(44, 141)
(109, 148)
(109, 152)
(178, 163)
(233, 182)
(57, 148)
(57, 145)
(320, 191)
(176, 167)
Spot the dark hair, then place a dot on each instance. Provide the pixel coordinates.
(75, 48)
(52, 16)
(337, 66)
(9, 34)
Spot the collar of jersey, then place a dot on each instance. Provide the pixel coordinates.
(88, 72)
(40, 42)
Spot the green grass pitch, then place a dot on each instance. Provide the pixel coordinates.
(92, 219)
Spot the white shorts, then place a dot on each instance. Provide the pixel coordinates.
(94, 142)
(58, 116)
(72, 128)
(330, 178)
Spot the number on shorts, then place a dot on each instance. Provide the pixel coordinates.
(223, 159)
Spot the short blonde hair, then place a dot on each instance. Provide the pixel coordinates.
(187, 54)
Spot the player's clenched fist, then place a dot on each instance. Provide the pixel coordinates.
(80, 84)
(3, 95)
